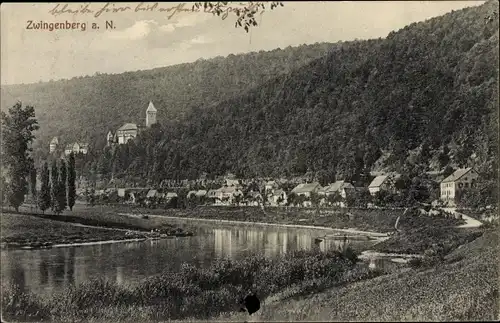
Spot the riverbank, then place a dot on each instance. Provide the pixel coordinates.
(37, 231)
(352, 219)
(461, 287)
(233, 222)
(191, 292)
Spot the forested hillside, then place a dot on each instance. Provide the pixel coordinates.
(422, 99)
(85, 108)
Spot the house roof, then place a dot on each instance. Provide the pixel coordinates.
(69, 147)
(151, 107)
(456, 175)
(377, 181)
(171, 194)
(306, 187)
(151, 193)
(54, 140)
(201, 193)
(231, 182)
(128, 126)
(336, 186)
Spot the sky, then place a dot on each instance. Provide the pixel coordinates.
(165, 36)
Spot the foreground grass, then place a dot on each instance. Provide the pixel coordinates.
(192, 292)
(464, 287)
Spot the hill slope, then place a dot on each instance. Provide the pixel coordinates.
(85, 108)
(423, 98)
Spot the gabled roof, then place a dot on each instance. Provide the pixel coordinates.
(151, 193)
(201, 193)
(69, 146)
(306, 188)
(456, 175)
(336, 186)
(377, 181)
(151, 107)
(171, 195)
(232, 182)
(54, 140)
(128, 126)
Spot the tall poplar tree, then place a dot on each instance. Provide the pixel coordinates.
(61, 192)
(71, 181)
(45, 200)
(54, 185)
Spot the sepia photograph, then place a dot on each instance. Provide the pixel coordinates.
(325, 161)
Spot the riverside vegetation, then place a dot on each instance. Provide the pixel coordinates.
(192, 292)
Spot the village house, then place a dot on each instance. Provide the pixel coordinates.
(233, 182)
(53, 144)
(306, 189)
(76, 148)
(199, 193)
(130, 130)
(270, 186)
(383, 183)
(278, 197)
(453, 185)
(340, 187)
(254, 198)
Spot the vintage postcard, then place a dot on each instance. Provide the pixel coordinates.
(249, 161)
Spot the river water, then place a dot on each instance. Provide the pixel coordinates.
(50, 270)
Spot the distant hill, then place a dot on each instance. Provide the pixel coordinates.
(85, 108)
(424, 98)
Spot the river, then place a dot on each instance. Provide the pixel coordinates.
(50, 270)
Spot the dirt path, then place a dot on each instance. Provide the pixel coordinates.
(469, 222)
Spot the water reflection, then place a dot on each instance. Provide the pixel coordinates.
(44, 271)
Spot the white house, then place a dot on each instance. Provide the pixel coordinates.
(460, 180)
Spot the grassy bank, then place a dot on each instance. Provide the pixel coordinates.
(378, 220)
(28, 231)
(42, 231)
(463, 287)
(192, 292)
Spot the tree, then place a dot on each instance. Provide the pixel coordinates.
(61, 192)
(71, 181)
(17, 133)
(246, 14)
(54, 185)
(33, 181)
(45, 200)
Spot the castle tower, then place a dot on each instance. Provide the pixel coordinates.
(150, 115)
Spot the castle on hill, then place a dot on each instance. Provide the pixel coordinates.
(130, 130)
